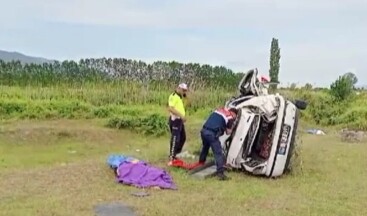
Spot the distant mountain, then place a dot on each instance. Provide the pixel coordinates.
(10, 56)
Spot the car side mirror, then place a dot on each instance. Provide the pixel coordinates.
(300, 104)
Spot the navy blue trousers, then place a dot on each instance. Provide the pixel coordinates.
(211, 140)
(178, 137)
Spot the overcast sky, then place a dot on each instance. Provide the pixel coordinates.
(318, 38)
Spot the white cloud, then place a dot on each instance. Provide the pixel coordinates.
(187, 13)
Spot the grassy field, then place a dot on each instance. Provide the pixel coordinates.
(54, 143)
(60, 122)
(58, 167)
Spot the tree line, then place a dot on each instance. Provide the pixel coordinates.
(97, 70)
(94, 70)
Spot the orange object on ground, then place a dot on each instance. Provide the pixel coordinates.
(181, 164)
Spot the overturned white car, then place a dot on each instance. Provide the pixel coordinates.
(263, 140)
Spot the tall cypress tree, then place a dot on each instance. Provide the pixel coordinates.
(274, 62)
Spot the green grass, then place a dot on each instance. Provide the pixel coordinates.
(54, 143)
(59, 167)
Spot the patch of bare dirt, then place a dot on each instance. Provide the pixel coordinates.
(352, 136)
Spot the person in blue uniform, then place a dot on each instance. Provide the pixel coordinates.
(220, 121)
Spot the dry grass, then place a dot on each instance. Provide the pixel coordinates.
(59, 168)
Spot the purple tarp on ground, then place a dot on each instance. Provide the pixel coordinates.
(140, 174)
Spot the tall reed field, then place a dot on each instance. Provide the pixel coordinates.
(83, 90)
(98, 100)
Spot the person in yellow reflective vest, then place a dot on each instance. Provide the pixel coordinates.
(177, 119)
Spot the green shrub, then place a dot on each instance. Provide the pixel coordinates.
(129, 101)
(342, 88)
(325, 110)
(154, 124)
(46, 109)
(353, 118)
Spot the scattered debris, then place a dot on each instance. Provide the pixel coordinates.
(316, 132)
(113, 209)
(140, 194)
(351, 135)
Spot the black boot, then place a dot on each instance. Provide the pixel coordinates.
(222, 177)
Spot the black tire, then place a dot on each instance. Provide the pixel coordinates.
(288, 164)
(300, 104)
